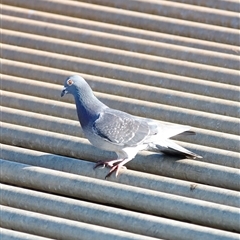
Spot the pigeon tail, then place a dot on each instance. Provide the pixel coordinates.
(166, 131)
(171, 148)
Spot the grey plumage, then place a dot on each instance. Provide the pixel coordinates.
(118, 131)
(114, 126)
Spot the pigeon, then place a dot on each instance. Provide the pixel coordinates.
(120, 132)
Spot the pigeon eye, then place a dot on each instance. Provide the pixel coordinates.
(69, 82)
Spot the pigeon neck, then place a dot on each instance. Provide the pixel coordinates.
(88, 107)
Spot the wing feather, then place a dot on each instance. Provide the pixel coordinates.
(121, 128)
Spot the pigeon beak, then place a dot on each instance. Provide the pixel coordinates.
(64, 91)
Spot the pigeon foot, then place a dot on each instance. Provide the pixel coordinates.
(109, 164)
(116, 169)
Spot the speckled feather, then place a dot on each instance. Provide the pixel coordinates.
(122, 129)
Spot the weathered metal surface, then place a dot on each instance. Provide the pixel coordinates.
(174, 61)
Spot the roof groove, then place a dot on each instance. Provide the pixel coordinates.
(134, 19)
(172, 61)
(72, 63)
(154, 54)
(166, 81)
(118, 30)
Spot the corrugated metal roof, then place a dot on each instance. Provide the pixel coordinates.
(174, 61)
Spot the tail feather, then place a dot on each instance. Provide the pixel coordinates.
(160, 142)
(166, 131)
(187, 133)
(170, 147)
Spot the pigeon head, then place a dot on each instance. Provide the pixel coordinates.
(88, 106)
(73, 85)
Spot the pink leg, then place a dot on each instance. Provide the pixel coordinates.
(107, 163)
(117, 167)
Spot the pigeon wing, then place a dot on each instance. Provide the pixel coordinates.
(121, 128)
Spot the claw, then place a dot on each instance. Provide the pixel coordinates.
(112, 164)
(104, 164)
(100, 163)
(116, 169)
